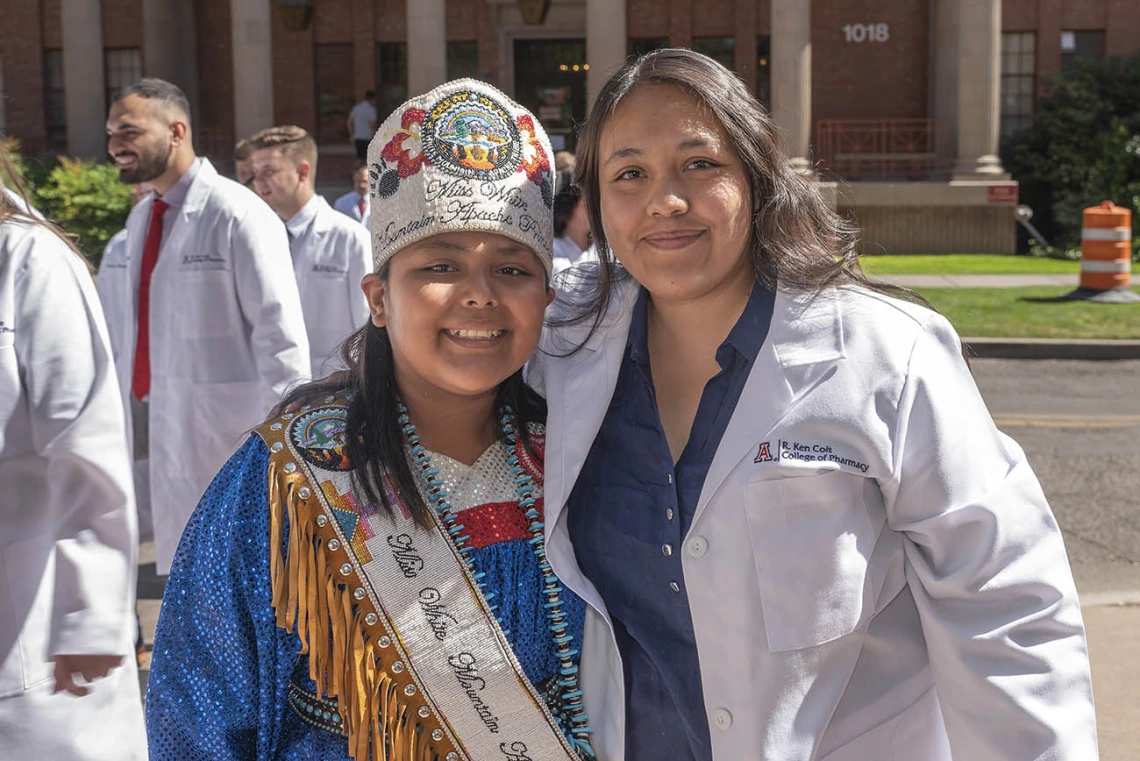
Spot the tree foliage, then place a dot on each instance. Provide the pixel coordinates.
(1083, 148)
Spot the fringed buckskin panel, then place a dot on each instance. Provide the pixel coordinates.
(351, 653)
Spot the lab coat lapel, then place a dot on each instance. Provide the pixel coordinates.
(580, 390)
(184, 224)
(805, 340)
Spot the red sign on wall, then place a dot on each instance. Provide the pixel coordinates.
(1002, 194)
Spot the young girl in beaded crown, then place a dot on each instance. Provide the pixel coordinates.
(367, 575)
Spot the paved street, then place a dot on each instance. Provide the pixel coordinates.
(1079, 424)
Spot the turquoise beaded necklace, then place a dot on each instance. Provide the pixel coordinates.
(578, 720)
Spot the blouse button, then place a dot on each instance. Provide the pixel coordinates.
(674, 586)
(667, 549)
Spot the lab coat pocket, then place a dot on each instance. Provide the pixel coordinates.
(25, 613)
(812, 537)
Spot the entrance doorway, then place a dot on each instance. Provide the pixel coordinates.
(550, 80)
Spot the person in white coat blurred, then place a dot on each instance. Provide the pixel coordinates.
(798, 531)
(357, 203)
(331, 253)
(68, 682)
(111, 282)
(206, 308)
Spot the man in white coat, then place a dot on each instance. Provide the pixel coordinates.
(331, 253)
(357, 203)
(206, 307)
(68, 540)
(111, 284)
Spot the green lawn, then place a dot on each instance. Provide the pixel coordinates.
(967, 264)
(1030, 313)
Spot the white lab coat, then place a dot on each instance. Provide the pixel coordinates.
(349, 204)
(226, 336)
(331, 255)
(872, 570)
(113, 283)
(68, 540)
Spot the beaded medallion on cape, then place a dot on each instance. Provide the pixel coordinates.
(373, 695)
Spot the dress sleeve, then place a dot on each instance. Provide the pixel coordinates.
(221, 669)
(988, 570)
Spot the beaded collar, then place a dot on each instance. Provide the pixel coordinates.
(578, 721)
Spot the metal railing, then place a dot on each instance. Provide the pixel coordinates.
(880, 149)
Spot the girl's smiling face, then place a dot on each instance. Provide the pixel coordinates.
(463, 310)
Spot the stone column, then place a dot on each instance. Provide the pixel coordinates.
(168, 45)
(791, 78)
(605, 43)
(979, 90)
(253, 66)
(84, 87)
(944, 100)
(427, 45)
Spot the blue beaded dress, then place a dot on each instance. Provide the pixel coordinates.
(228, 683)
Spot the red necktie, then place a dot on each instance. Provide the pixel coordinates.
(362, 199)
(140, 380)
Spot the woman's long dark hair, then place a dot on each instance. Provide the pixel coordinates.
(796, 241)
(376, 443)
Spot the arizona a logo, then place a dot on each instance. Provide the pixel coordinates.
(765, 453)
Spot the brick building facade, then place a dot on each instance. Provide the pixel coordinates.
(901, 101)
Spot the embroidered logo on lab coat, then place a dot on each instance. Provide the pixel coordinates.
(784, 450)
(203, 262)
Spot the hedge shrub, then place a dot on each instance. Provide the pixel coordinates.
(86, 199)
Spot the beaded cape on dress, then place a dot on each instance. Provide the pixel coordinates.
(239, 671)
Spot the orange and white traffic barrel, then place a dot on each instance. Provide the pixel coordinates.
(1106, 248)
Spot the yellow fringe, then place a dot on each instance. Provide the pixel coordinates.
(343, 659)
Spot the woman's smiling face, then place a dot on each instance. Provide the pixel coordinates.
(675, 199)
(464, 312)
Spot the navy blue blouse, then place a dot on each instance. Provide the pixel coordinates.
(628, 515)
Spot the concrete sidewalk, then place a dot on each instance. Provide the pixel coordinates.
(978, 281)
(1114, 640)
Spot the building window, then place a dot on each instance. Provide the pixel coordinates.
(639, 46)
(121, 67)
(720, 49)
(764, 71)
(1018, 64)
(391, 76)
(463, 60)
(1076, 46)
(333, 75)
(55, 115)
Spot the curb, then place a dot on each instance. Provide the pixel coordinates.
(1050, 348)
(1119, 599)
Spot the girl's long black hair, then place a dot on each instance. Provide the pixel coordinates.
(375, 442)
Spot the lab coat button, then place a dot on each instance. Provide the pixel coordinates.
(698, 546)
(723, 718)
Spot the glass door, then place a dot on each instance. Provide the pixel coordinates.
(550, 80)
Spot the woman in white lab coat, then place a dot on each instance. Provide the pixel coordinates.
(67, 517)
(775, 484)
